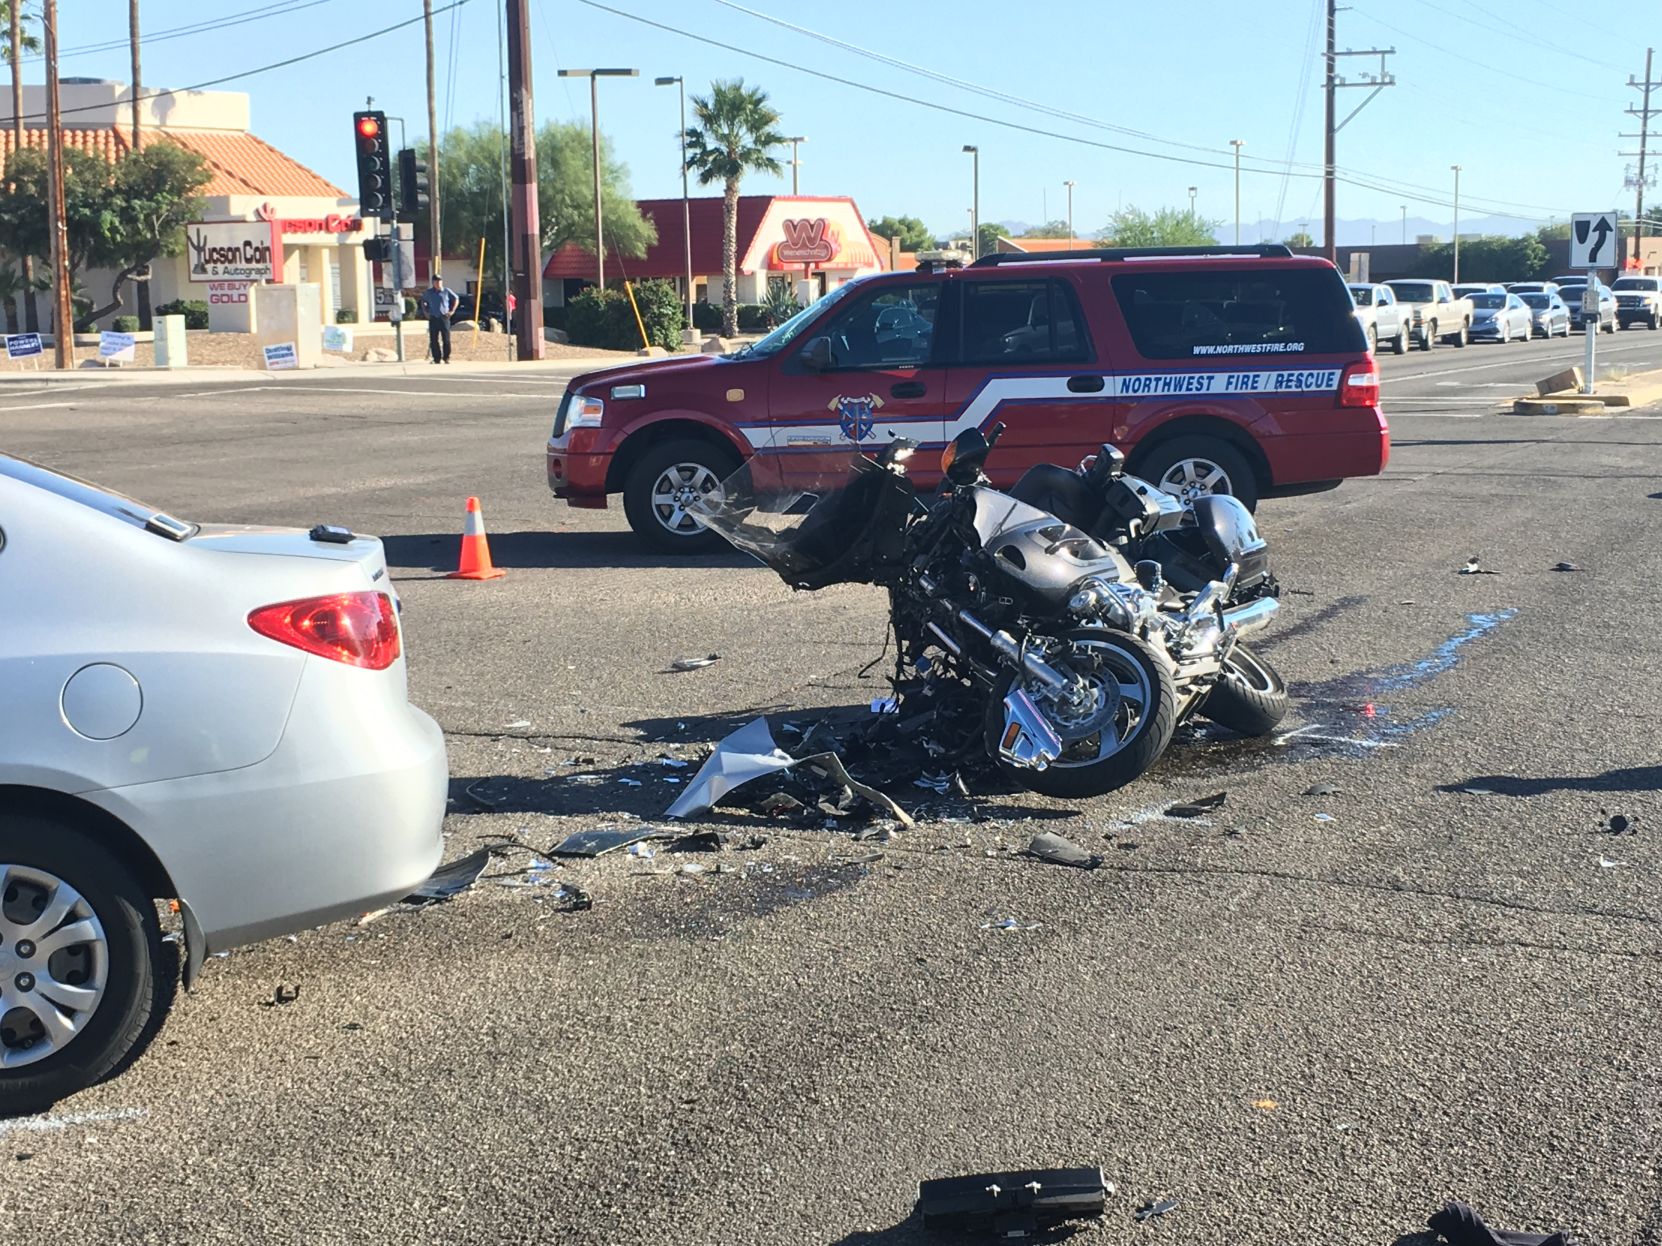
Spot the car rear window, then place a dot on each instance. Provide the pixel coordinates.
(1021, 321)
(1415, 291)
(95, 497)
(1637, 283)
(1175, 314)
(1488, 300)
(1536, 300)
(1362, 295)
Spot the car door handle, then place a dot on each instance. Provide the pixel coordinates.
(1085, 384)
(908, 389)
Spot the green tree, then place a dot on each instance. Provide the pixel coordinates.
(150, 197)
(988, 235)
(470, 187)
(736, 132)
(1301, 239)
(1050, 229)
(913, 234)
(87, 179)
(1489, 258)
(1168, 227)
(27, 42)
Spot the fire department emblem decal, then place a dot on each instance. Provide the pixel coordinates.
(856, 414)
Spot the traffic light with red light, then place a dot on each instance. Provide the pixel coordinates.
(414, 188)
(369, 132)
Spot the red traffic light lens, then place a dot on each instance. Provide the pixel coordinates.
(369, 127)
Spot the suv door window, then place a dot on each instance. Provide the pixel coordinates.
(1221, 312)
(1021, 322)
(895, 328)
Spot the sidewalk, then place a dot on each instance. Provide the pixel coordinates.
(335, 369)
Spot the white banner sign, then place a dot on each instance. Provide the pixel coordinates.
(281, 356)
(115, 347)
(233, 251)
(337, 337)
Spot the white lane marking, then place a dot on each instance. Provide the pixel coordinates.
(36, 406)
(1512, 363)
(397, 393)
(215, 393)
(69, 1120)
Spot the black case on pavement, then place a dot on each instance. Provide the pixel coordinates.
(1008, 1203)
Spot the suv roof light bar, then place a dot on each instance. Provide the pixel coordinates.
(1267, 250)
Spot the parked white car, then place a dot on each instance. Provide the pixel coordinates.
(213, 715)
(1381, 316)
(1436, 313)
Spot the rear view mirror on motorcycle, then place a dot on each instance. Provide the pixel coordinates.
(966, 454)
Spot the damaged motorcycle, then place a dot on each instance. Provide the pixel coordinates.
(1080, 617)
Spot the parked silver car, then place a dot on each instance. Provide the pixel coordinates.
(1500, 318)
(1471, 289)
(1382, 317)
(1547, 314)
(1572, 293)
(213, 715)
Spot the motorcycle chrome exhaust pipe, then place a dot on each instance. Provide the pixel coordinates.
(1255, 616)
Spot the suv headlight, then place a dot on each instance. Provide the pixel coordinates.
(584, 412)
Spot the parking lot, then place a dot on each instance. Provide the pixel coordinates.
(1307, 1018)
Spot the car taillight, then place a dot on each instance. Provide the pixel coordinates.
(1359, 387)
(360, 629)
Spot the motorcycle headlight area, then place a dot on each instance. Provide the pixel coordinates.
(1120, 604)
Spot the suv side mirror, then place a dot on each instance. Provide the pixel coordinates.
(816, 355)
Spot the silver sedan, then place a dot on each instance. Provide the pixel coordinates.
(1547, 313)
(210, 715)
(1499, 318)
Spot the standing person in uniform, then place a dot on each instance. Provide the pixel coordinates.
(439, 302)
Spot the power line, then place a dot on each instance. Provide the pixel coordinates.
(195, 28)
(1418, 194)
(249, 73)
(1465, 59)
(1557, 49)
(1297, 126)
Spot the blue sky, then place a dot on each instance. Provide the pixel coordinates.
(1527, 100)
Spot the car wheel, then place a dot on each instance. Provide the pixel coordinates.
(1505, 333)
(1403, 341)
(1461, 337)
(1192, 467)
(1610, 325)
(662, 487)
(1429, 336)
(81, 963)
(1373, 339)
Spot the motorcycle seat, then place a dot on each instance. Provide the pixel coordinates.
(1060, 492)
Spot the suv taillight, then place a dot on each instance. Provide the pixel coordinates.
(360, 629)
(1359, 387)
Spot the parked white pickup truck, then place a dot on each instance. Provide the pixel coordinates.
(1433, 311)
(1383, 318)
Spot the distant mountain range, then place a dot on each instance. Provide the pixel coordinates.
(1352, 232)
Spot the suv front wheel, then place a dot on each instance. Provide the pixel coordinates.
(661, 488)
(1195, 466)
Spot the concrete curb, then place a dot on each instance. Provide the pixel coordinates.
(1568, 405)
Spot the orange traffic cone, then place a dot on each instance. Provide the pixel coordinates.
(476, 550)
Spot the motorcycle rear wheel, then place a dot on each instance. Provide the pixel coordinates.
(1251, 698)
(1141, 728)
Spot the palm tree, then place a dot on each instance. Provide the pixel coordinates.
(735, 134)
(15, 40)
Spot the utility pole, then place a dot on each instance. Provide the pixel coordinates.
(1331, 84)
(31, 313)
(1192, 192)
(1069, 185)
(432, 149)
(796, 165)
(1456, 169)
(1404, 208)
(526, 228)
(686, 194)
(63, 313)
(1237, 144)
(141, 280)
(1644, 112)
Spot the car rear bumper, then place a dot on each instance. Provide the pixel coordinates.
(343, 817)
(576, 472)
(1299, 459)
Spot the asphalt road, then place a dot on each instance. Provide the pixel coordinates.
(1308, 1030)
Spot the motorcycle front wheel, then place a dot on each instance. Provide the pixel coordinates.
(1250, 698)
(1112, 740)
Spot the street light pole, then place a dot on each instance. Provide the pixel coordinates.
(686, 199)
(1404, 208)
(1237, 144)
(1192, 205)
(594, 76)
(1456, 169)
(1069, 184)
(975, 202)
(795, 163)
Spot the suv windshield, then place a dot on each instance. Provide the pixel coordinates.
(788, 332)
(1414, 291)
(95, 497)
(1637, 283)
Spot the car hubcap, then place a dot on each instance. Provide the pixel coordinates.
(54, 964)
(677, 490)
(1195, 478)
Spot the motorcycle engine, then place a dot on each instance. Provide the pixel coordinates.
(1047, 558)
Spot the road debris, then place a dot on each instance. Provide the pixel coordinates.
(448, 880)
(1458, 1224)
(1322, 789)
(1566, 566)
(693, 664)
(604, 839)
(1618, 824)
(1265, 1105)
(284, 994)
(1059, 850)
(570, 898)
(1605, 863)
(1012, 1205)
(1153, 1209)
(1471, 568)
(1197, 808)
(1324, 817)
(995, 922)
